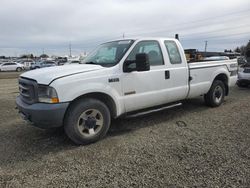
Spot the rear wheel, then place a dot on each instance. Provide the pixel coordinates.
(87, 121)
(216, 94)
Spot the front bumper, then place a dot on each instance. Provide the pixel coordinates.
(42, 115)
(243, 76)
(243, 81)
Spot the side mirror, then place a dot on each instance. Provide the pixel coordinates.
(129, 66)
(142, 62)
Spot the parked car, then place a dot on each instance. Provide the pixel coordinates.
(61, 60)
(244, 75)
(42, 64)
(120, 78)
(72, 62)
(27, 63)
(11, 66)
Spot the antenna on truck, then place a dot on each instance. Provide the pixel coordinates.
(177, 36)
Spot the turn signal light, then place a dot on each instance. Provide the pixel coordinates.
(54, 100)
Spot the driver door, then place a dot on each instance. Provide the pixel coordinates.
(145, 89)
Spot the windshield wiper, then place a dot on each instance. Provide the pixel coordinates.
(101, 64)
(91, 62)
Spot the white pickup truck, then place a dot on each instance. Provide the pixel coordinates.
(119, 78)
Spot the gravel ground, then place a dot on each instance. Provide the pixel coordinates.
(188, 146)
(9, 75)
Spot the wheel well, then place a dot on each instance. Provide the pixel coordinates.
(224, 79)
(106, 99)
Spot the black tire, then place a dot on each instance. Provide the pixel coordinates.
(73, 118)
(216, 94)
(18, 69)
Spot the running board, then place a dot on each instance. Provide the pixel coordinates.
(153, 110)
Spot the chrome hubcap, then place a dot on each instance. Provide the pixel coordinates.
(218, 93)
(90, 122)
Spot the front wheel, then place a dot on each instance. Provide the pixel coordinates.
(87, 121)
(216, 94)
(18, 69)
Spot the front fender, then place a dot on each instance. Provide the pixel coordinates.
(68, 91)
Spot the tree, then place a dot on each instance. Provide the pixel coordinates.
(247, 53)
(237, 49)
(24, 56)
(226, 50)
(242, 50)
(44, 56)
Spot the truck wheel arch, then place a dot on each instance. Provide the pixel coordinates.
(105, 98)
(223, 77)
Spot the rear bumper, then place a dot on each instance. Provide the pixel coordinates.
(42, 115)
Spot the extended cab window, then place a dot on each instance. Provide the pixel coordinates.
(151, 48)
(173, 52)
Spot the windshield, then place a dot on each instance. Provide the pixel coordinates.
(108, 54)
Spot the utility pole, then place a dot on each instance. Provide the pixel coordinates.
(206, 46)
(43, 50)
(70, 49)
(123, 35)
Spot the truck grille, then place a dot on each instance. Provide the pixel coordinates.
(28, 90)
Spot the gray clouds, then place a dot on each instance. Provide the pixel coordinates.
(30, 25)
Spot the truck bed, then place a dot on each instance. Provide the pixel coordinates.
(203, 73)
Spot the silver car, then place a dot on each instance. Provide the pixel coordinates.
(11, 66)
(244, 76)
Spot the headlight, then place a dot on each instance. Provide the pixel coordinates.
(47, 94)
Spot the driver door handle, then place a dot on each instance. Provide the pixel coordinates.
(167, 74)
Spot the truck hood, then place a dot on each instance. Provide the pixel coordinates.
(47, 75)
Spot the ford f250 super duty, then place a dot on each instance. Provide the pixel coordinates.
(119, 78)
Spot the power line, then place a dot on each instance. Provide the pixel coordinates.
(164, 30)
(179, 30)
(220, 30)
(191, 22)
(223, 36)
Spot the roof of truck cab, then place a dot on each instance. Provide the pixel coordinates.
(143, 38)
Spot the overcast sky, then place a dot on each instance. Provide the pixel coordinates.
(31, 26)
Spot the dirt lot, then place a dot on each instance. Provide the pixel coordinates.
(210, 149)
(9, 75)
